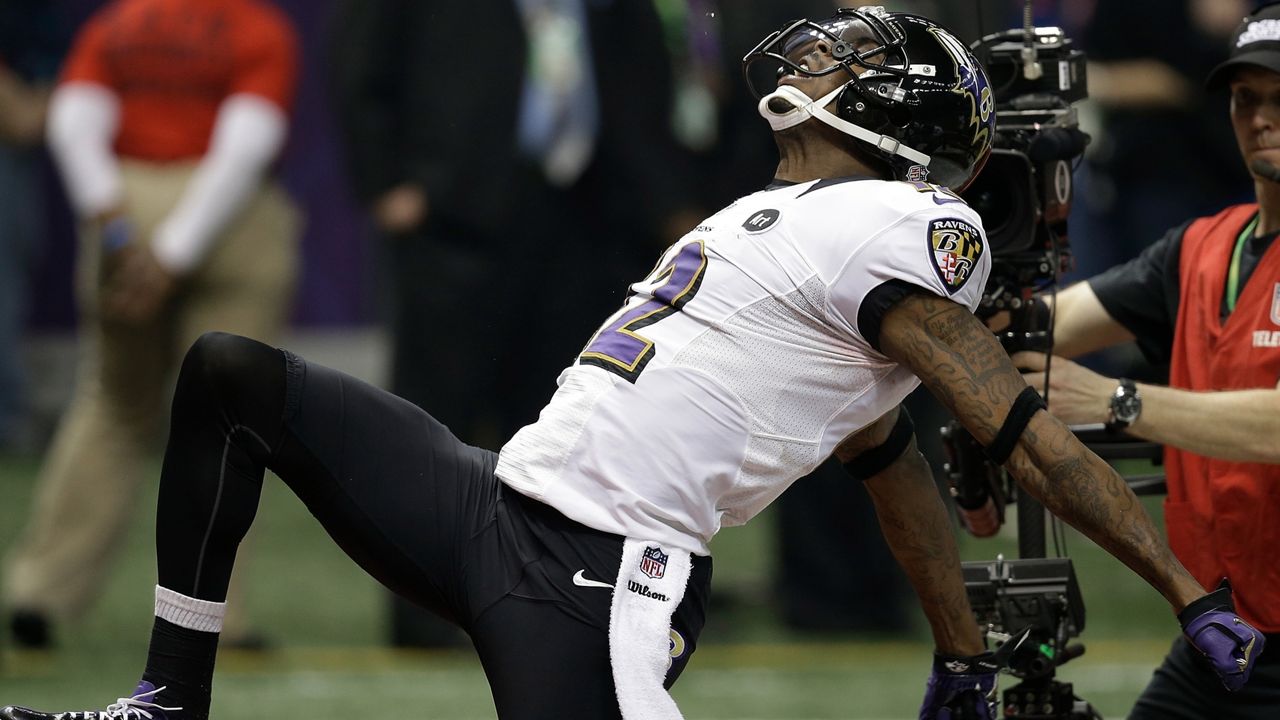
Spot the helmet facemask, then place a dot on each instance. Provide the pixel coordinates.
(894, 102)
(845, 34)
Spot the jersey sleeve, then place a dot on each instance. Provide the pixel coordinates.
(86, 61)
(941, 251)
(266, 61)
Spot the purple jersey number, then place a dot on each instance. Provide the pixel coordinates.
(618, 348)
(948, 195)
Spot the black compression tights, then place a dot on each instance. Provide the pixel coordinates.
(228, 425)
(227, 422)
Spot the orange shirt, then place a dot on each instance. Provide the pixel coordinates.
(173, 62)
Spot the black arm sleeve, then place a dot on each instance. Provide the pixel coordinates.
(1142, 295)
(877, 303)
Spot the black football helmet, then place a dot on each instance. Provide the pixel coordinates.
(915, 95)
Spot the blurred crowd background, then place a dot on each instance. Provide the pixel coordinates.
(478, 181)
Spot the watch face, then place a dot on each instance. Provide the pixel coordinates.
(1127, 408)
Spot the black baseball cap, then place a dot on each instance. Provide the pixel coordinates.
(1255, 42)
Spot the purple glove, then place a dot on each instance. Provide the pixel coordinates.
(1229, 644)
(961, 688)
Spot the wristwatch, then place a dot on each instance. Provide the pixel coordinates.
(1126, 405)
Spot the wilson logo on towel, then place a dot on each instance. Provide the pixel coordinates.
(644, 591)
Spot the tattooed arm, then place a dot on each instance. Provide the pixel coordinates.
(965, 367)
(916, 527)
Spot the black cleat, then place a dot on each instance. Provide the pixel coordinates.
(141, 706)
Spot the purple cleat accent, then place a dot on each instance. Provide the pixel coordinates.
(141, 705)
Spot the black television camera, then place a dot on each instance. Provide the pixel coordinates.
(1024, 196)
(1024, 192)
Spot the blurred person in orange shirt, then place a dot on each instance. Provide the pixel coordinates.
(164, 125)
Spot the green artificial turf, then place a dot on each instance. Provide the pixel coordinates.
(327, 621)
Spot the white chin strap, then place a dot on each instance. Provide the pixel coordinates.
(802, 107)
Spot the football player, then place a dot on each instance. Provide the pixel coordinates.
(784, 328)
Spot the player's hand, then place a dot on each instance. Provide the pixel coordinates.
(401, 209)
(1077, 395)
(135, 285)
(961, 688)
(1230, 645)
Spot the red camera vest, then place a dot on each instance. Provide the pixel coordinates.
(1223, 517)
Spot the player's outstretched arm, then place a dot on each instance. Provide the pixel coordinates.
(918, 530)
(965, 367)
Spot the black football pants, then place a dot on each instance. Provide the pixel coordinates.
(420, 511)
(1184, 688)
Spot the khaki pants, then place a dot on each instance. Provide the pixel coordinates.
(86, 494)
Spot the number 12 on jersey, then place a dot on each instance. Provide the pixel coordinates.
(618, 347)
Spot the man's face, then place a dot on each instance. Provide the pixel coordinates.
(1255, 114)
(815, 54)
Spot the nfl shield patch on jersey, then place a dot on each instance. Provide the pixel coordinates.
(955, 246)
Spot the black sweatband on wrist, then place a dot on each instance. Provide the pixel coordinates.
(1219, 599)
(1026, 405)
(873, 461)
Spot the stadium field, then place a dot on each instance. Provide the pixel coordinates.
(325, 620)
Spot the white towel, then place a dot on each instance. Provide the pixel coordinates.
(651, 582)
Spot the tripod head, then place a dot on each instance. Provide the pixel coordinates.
(1037, 602)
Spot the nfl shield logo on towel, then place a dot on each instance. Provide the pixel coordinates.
(1275, 305)
(654, 562)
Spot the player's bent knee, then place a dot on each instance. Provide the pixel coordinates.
(218, 359)
(227, 368)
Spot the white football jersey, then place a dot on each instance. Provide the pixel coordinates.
(739, 363)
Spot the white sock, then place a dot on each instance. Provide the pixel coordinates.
(188, 612)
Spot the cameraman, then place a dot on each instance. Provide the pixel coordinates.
(1206, 300)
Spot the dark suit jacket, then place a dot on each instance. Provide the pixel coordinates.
(429, 91)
